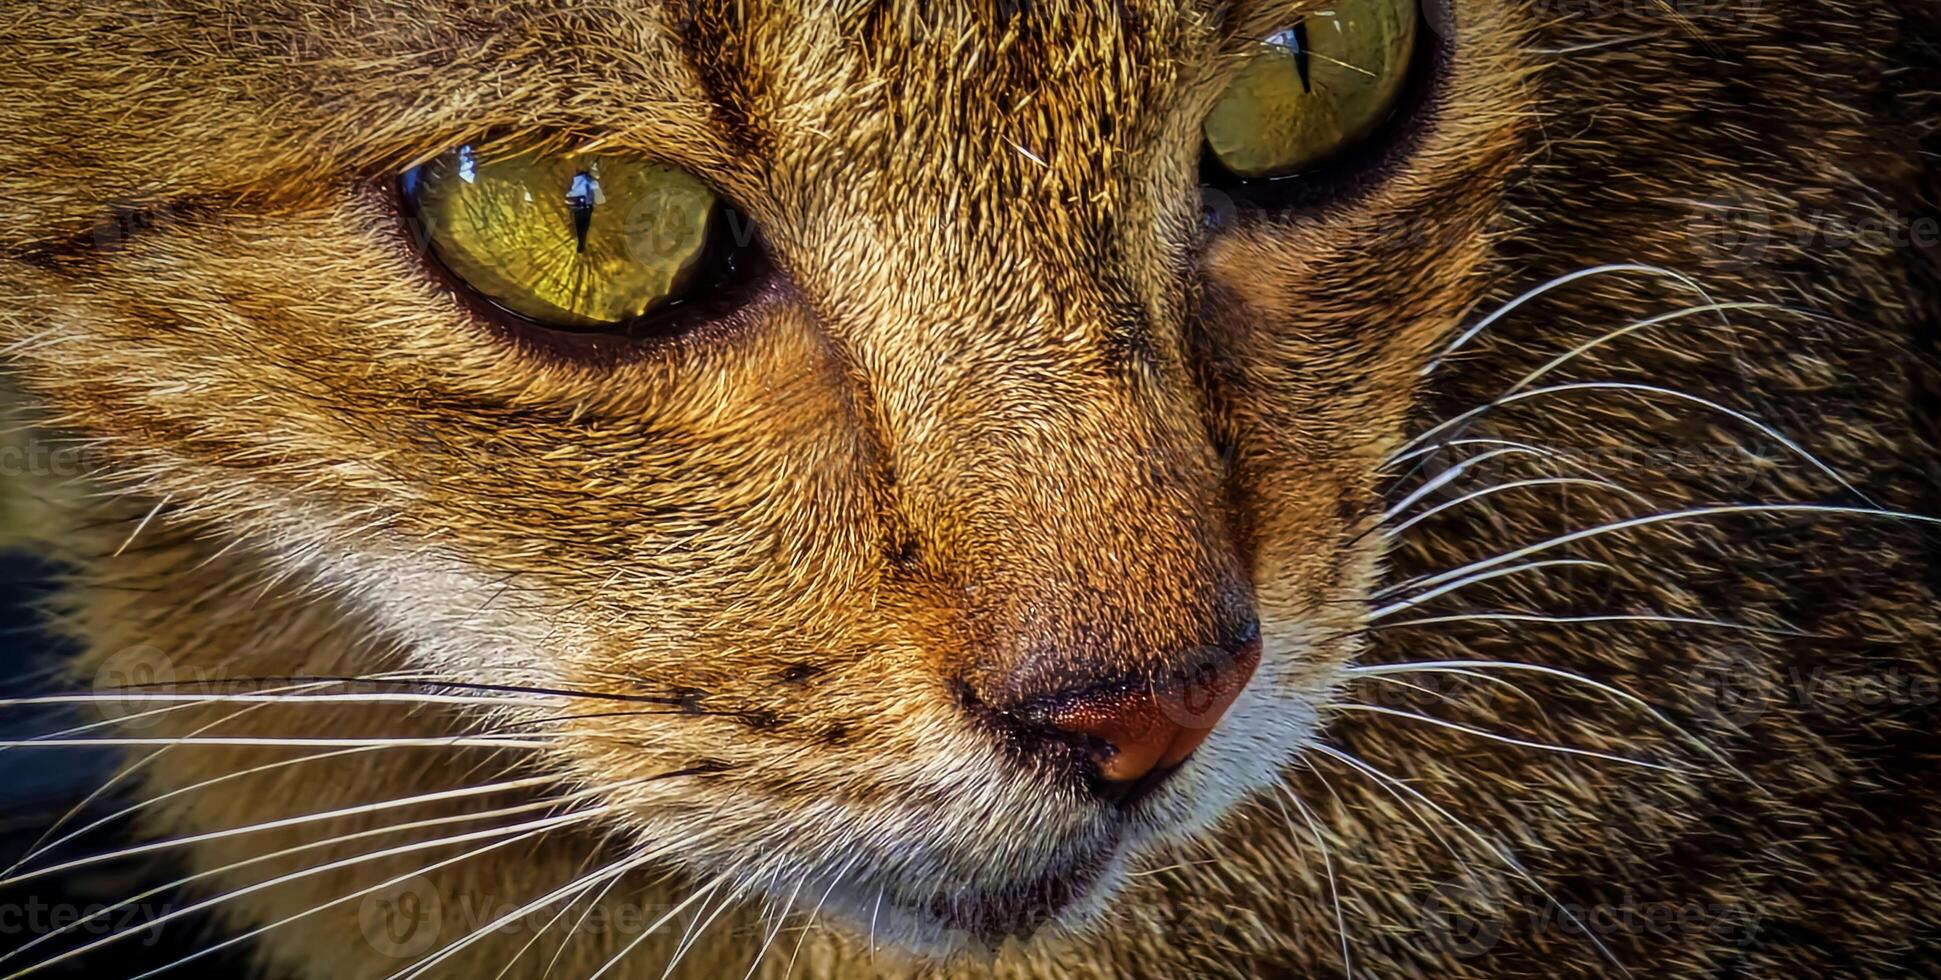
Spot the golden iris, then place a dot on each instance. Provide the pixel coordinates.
(572, 240)
(1313, 90)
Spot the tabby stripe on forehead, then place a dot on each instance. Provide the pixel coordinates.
(714, 36)
(117, 224)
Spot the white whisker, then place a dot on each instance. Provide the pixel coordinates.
(1661, 518)
(1513, 305)
(1442, 479)
(1546, 453)
(781, 920)
(789, 971)
(699, 893)
(532, 828)
(1508, 740)
(1509, 860)
(143, 524)
(113, 696)
(553, 920)
(1605, 618)
(1614, 692)
(1581, 349)
(43, 846)
(1445, 587)
(453, 794)
(1334, 890)
(1553, 481)
(453, 742)
(579, 885)
(874, 910)
(1514, 690)
(567, 940)
(545, 804)
(1641, 388)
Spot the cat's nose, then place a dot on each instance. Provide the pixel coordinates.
(1136, 732)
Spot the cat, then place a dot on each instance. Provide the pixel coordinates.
(1027, 489)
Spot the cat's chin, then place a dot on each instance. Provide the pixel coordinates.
(1066, 898)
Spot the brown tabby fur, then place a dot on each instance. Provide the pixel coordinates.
(1012, 409)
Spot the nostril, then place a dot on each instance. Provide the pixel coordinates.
(1127, 731)
(1158, 726)
(1135, 733)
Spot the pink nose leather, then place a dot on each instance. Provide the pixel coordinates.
(1145, 731)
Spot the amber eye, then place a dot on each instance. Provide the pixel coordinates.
(1315, 89)
(576, 241)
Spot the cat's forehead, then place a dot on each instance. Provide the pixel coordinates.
(952, 90)
(988, 46)
(964, 94)
(757, 94)
(950, 65)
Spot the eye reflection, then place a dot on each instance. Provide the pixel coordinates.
(1314, 89)
(573, 240)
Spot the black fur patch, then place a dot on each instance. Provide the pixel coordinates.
(713, 38)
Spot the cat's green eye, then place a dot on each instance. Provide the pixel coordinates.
(1314, 89)
(586, 241)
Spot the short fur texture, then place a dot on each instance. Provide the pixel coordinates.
(1014, 408)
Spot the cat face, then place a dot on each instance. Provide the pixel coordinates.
(1012, 411)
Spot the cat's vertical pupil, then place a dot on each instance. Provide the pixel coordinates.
(579, 200)
(1313, 89)
(1296, 41)
(529, 232)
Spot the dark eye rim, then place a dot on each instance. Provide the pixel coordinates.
(735, 274)
(1370, 161)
